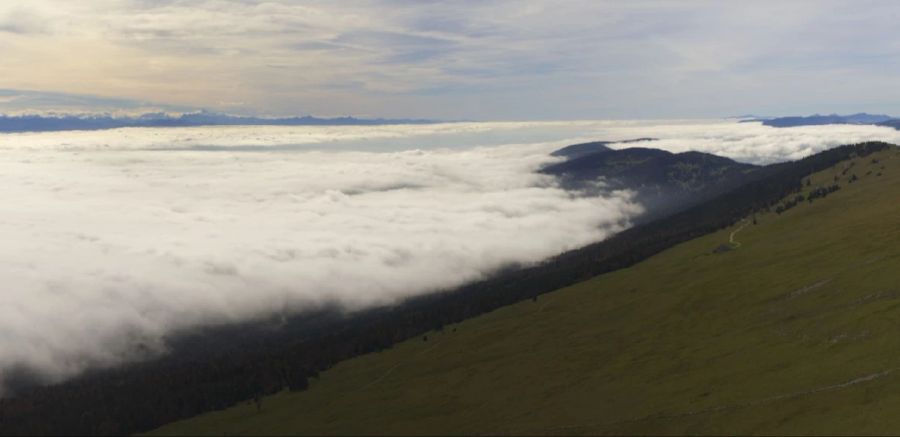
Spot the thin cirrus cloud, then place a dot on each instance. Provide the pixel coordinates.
(116, 240)
(18, 102)
(497, 59)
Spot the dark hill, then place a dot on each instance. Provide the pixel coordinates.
(578, 150)
(665, 182)
(894, 123)
(816, 119)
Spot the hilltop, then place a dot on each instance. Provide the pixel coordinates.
(894, 123)
(789, 331)
(584, 149)
(817, 119)
(664, 182)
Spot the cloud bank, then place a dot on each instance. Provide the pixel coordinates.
(747, 142)
(108, 249)
(114, 240)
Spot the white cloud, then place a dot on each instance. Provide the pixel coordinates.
(751, 142)
(109, 247)
(112, 240)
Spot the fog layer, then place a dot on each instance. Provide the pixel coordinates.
(109, 249)
(113, 240)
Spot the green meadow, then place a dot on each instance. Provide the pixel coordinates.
(794, 330)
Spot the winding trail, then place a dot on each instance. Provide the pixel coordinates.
(731, 241)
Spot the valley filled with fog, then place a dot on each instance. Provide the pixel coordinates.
(115, 240)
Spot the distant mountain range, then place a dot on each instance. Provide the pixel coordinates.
(817, 119)
(37, 123)
(61, 122)
(894, 123)
(665, 182)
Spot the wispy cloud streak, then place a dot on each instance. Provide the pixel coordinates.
(497, 59)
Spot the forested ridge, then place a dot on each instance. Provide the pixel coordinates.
(664, 183)
(232, 364)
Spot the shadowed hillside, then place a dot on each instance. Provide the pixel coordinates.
(243, 363)
(665, 182)
(792, 330)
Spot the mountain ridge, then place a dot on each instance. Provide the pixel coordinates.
(664, 182)
(819, 119)
(50, 123)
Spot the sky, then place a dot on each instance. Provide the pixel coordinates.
(451, 60)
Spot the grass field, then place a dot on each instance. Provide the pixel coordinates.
(795, 331)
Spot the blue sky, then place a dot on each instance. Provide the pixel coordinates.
(487, 60)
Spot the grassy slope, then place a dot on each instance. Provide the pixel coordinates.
(797, 331)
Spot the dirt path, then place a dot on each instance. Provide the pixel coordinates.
(731, 241)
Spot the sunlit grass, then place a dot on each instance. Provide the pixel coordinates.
(793, 332)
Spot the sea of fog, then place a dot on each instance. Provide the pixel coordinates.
(118, 238)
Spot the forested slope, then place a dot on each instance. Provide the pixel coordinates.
(236, 364)
(789, 329)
